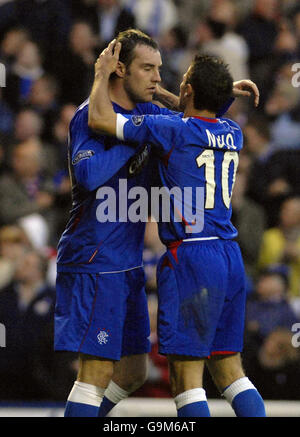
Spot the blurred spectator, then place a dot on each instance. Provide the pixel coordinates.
(108, 18)
(6, 117)
(258, 145)
(155, 17)
(25, 70)
(29, 368)
(26, 190)
(29, 126)
(4, 167)
(286, 44)
(284, 173)
(268, 307)
(60, 132)
(44, 98)
(12, 42)
(216, 35)
(61, 178)
(275, 367)
(260, 30)
(173, 46)
(283, 109)
(283, 181)
(75, 64)
(249, 218)
(13, 244)
(47, 21)
(281, 244)
(263, 186)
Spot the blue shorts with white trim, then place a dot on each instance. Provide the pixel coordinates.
(202, 295)
(104, 315)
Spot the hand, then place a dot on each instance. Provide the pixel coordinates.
(246, 88)
(108, 59)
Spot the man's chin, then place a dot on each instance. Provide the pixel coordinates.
(145, 99)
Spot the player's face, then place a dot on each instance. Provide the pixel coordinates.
(143, 74)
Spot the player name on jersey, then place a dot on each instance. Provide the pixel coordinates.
(220, 141)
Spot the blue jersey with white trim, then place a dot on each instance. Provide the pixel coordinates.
(197, 166)
(97, 166)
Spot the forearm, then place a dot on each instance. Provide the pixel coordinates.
(101, 113)
(100, 168)
(166, 98)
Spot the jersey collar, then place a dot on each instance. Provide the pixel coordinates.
(208, 120)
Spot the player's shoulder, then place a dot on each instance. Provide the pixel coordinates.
(81, 111)
(231, 123)
(150, 108)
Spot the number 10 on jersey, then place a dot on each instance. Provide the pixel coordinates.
(207, 158)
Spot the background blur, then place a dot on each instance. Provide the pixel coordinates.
(49, 48)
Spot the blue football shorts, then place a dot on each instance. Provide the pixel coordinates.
(202, 296)
(103, 315)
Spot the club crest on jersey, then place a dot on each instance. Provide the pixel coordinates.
(83, 154)
(102, 337)
(137, 162)
(137, 120)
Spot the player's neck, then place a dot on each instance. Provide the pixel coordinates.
(192, 112)
(119, 96)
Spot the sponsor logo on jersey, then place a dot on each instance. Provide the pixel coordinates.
(83, 154)
(137, 163)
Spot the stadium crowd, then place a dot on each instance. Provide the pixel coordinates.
(48, 49)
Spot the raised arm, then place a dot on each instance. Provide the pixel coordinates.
(245, 88)
(166, 98)
(102, 116)
(241, 88)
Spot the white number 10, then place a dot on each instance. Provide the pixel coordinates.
(207, 158)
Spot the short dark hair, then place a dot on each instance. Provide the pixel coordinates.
(211, 81)
(130, 38)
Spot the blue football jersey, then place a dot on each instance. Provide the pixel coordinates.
(197, 166)
(96, 165)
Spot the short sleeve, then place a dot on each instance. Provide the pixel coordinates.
(161, 131)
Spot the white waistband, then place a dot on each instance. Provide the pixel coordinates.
(121, 271)
(201, 239)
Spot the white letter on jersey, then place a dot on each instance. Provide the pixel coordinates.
(220, 141)
(230, 141)
(211, 138)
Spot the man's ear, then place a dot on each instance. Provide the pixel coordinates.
(121, 69)
(188, 90)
